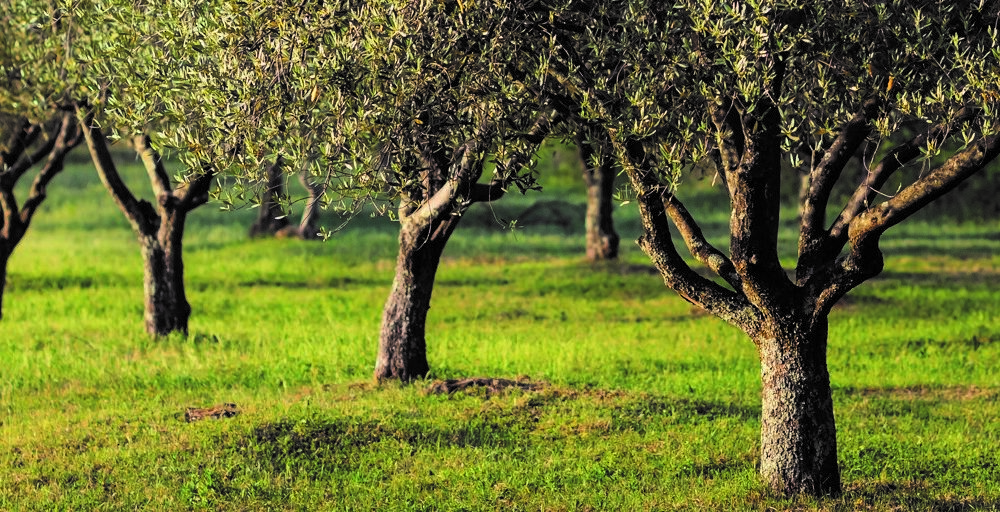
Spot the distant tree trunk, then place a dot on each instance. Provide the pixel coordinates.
(271, 217)
(599, 175)
(160, 229)
(309, 227)
(798, 452)
(402, 350)
(4, 257)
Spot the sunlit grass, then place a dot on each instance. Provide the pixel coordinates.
(645, 403)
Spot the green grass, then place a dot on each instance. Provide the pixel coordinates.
(647, 404)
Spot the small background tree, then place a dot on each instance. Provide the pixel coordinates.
(38, 125)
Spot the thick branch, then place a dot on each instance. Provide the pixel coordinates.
(486, 192)
(140, 214)
(23, 136)
(16, 171)
(754, 191)
(70, 136)
(657, 242)
(442, 201)
(933, 185)
(896, 159)
(194, 192)
(824, 175)
(698, 245)
(154, 168)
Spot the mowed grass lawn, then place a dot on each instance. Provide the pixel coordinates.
(640, 402)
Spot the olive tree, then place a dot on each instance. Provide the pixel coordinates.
(750, 87)
(38, 125)
(56, 63)
(400, 105)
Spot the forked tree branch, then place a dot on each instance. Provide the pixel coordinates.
(656, 241)
(140, 213)
(864, 259)
(961, 165)
(698, 245)
(753, 189)
(21, 166)
(24, 135)
(70, 136)
(896, 159)
(825, 174)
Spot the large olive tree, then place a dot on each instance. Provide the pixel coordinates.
(751, 87)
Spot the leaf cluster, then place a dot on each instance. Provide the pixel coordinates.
(664, 72)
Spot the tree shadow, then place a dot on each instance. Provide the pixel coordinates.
(908, 495)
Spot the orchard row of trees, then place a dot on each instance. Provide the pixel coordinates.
(423, 108)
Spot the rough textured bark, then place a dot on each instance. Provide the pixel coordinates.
(786, 319)
(166, 308)
(798, 437)
(402, 350)
(271, 217)
(599, 176)
(428, 215)
(159, 229)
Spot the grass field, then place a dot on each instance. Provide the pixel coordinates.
(641, 402)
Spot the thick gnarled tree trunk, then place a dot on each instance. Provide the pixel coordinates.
(599, 176)
(166, 308)
(798, 438)
(402, 348)
(787, 319)
(159, 229)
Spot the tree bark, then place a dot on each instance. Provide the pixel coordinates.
(271, 219)
(4, 257)
(159, 229)
(309, 227)
(402, 349)
(166, 307)
(599, 176)
(16, 162)
(798, 440)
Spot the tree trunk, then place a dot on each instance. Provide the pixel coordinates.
(798, 438)
(402, 348)
(166, 307)
(4, 257)
(602, 240)
(309, 227)
(271, 218)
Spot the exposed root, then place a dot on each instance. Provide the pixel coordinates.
(485, 384)
(215, 412)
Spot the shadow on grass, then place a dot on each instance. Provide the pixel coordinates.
(480, 421)
(339, 282)
(342, 442)
(909, 495)
(636, 414)
(42, 282)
